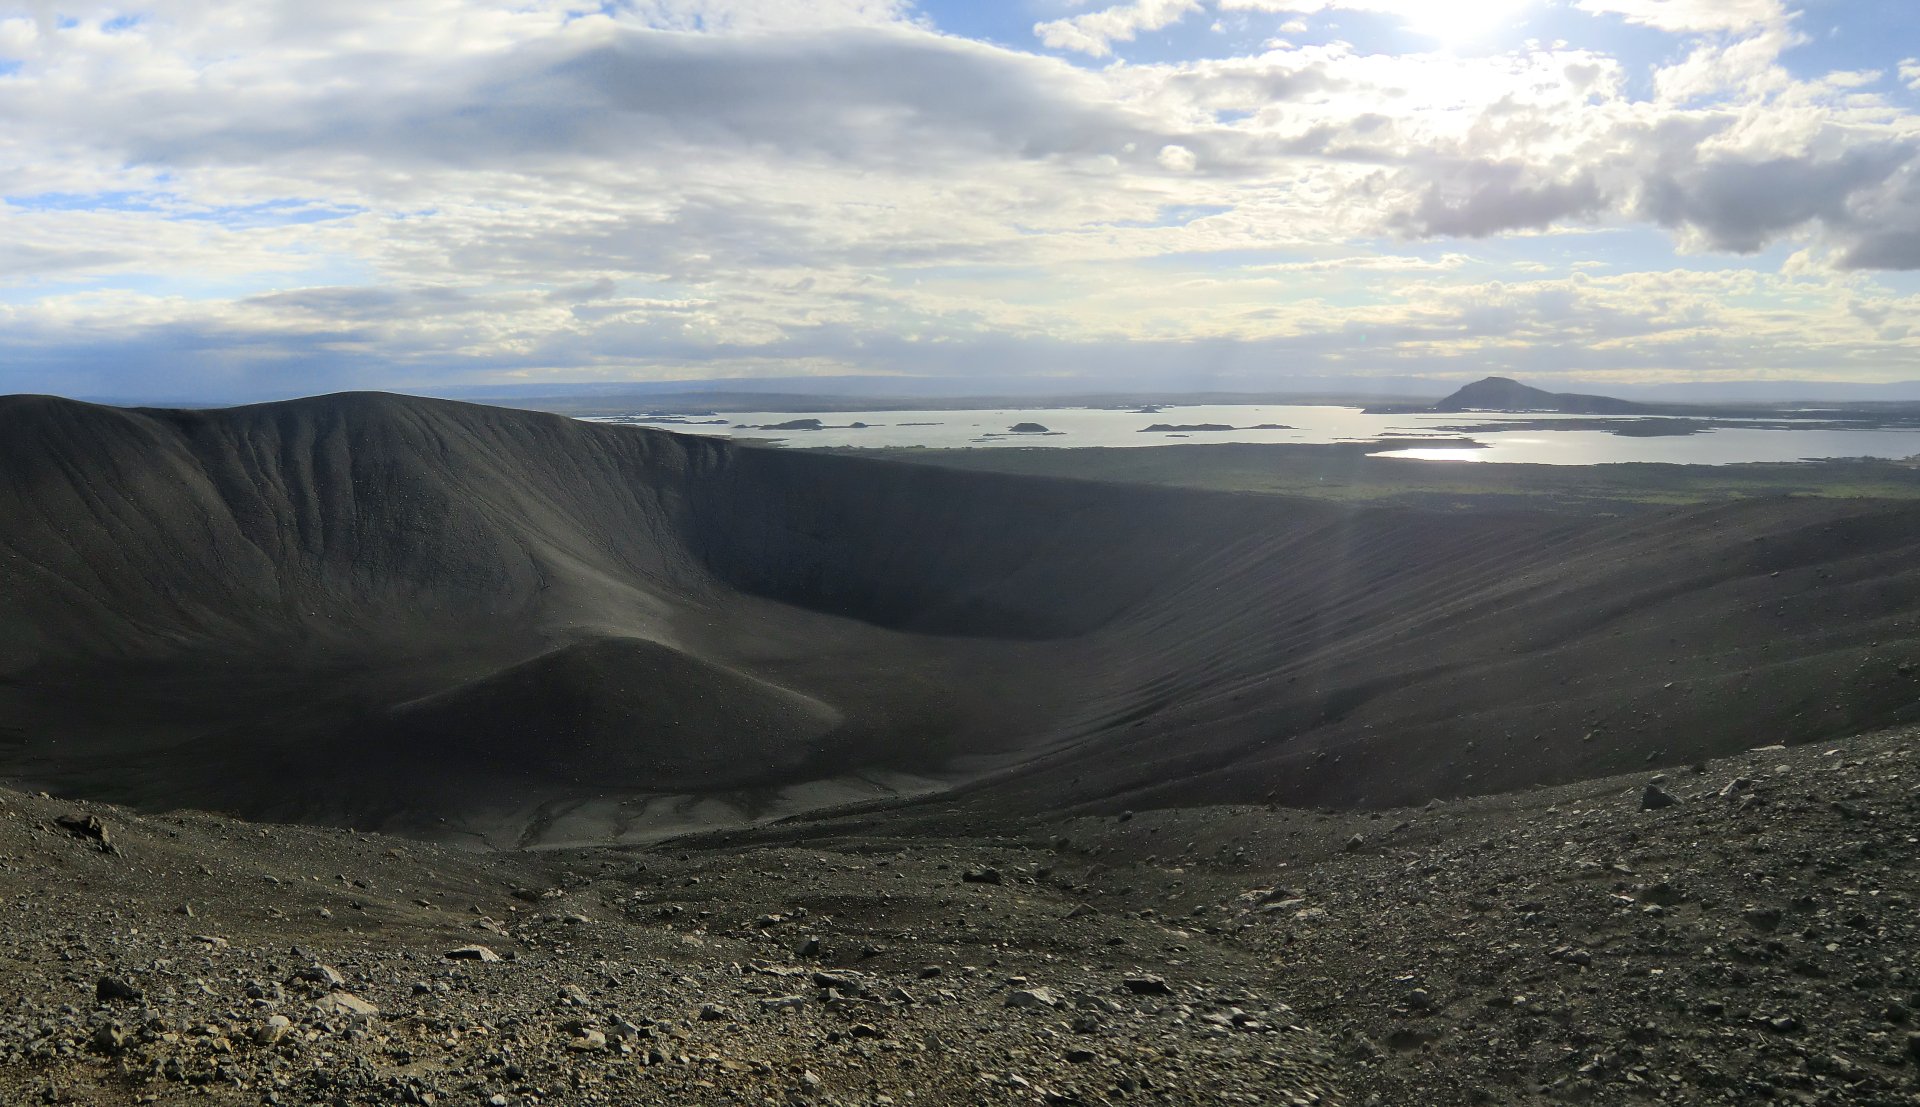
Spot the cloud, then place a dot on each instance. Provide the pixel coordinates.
(1095, 32)
(1691, 16)
(421, 190)
(1384, 263)
(1742, 204)
(1393, 316)
(1893, 249)
(856, 96)
(1484, 199)
(1884, 223)
(750, 16)
(1747, 67)
(1177, 158)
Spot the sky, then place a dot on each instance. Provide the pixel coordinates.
(245, 200)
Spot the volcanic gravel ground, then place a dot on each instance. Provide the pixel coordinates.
(1752, 940)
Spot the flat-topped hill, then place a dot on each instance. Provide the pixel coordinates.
(1505, 394)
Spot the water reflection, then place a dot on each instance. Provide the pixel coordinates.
(1294, 423)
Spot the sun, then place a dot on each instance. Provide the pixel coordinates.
(1455, 23)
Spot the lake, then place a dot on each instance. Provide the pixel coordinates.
(1425, 433)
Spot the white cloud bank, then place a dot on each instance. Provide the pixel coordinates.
(280, 196)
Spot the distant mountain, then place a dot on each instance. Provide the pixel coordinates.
(1766, 392)
(1505, 394)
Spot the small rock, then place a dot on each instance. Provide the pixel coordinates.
(838, 982)
(1148, 986)
(628, 1031)
(272, 1030)
(587, 1040)
(114, 989)
(91, 828)
(345, 1003)
(1033, 998)
(472, 953)
(109, 1039)
(982, 876)
(1656, 798)
(713, 1012)
(324, 975)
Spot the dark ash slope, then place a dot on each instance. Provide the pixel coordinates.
(372, 609)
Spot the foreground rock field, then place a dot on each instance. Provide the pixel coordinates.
(1752, 940)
